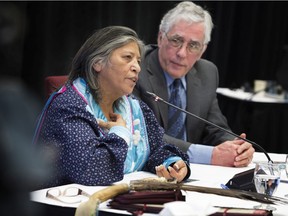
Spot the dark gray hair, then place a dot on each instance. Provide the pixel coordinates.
(190, 12)
(98, 48)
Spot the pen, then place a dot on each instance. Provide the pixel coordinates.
(224, 187)
(284, 181)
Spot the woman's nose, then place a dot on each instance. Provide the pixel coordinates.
(136, 67)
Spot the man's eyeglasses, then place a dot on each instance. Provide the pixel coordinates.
(69, 195)
(177, 42)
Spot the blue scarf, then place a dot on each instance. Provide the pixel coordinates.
(130, 110)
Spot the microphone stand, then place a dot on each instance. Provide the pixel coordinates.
(157, 98)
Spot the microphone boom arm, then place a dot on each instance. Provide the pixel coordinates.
(157, 98)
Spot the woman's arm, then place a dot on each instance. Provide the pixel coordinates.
(84, 156)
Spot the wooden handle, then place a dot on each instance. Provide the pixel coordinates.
(90, 207)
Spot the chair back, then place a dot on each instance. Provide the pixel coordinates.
(53, 83)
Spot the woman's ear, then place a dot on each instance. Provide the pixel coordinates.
(97, 66)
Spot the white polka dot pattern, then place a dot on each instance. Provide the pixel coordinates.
(85, 157)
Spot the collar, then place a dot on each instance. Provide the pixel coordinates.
(169, 80)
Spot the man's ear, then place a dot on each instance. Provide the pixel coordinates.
(203, 50)
(159, 38)
(97, 66)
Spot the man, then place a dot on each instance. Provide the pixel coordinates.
(184, 34)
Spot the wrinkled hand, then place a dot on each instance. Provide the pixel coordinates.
(116, 120)
(236, 153)
(177, 172)
(245, 153)
(224, 154)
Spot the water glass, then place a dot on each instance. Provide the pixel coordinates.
(266, 180)
(286, 169)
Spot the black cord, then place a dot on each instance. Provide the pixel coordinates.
(210, 123)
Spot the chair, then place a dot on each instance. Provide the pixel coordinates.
(53, 83)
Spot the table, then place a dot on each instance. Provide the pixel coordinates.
(205, 175)
(259, 97)
(263, 118)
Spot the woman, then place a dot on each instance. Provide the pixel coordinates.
(99, 132)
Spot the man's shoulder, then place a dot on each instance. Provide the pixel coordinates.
(204, 64)
(149, 48)
(150, 62)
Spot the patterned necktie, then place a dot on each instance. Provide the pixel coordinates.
(176, 121)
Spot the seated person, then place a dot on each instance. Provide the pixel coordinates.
(183, 37)
(96, 129)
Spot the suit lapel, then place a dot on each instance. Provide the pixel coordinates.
(193, 97)
(158, 83)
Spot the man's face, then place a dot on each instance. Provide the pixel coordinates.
(181, 47)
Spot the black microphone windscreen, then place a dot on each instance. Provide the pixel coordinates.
(242, 181)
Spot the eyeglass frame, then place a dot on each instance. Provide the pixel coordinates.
(178, 42)
(63, 194)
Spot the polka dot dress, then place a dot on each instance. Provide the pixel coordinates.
(81, 155)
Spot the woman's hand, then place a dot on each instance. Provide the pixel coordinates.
(116, 120)
(177, 172)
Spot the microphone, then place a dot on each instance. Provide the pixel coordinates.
(157, 98)
(240, 181)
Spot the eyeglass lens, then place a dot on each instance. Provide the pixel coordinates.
(73, 191)
(177, 41)
(66, 195)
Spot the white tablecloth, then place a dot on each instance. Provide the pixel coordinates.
(201, 175)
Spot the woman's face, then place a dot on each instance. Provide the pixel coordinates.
(120, 75)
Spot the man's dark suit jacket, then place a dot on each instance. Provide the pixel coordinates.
(202, 82)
